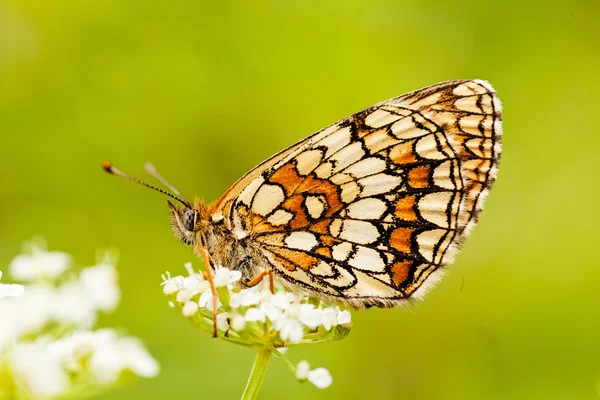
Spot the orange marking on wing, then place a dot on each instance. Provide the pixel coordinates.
(400, 271)
(285, 263)
(328, 240)
(400, 239)
(316, 186)
(324, 251)
(299, 258)
(419, 177)
(403, 153)
(288, 177)
(294, 205)
(321, 226)
(405, 209)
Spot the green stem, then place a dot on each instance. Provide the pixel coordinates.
(257, 375)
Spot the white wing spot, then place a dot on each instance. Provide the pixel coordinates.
(428, 240)
(315, 206)
(335, 227)
(361, 232)
(280, 217)
(427, 147)
(341, 251)
(368, 260)
(369, 208)
(367, 166)
(301, 241)
(246, 194)
(433, 207)
(324, 170)
(335, 141)
(308, 161)
(348, 155)
(377, 184)
(267, 198)
(350, 191)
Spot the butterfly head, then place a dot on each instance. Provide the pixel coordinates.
(185, 222)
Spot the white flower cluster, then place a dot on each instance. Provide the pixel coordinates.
(255, 317)
(8, 290)
(320, 377)
(47, 347)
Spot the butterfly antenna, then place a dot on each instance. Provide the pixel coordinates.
(108, 167)
(150, 170)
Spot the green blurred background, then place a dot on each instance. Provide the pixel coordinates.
(206, 90)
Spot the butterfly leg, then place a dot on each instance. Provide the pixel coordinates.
(258, 278)
(213, 289)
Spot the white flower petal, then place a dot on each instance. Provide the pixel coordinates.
(320, 377)
(289, 329)
(40, 264)
(302, 370)
(39, 369)
(101, 287)
(272, 312)
(206, 301)
(310, 316)
(245, 298)
(224, 276)
(282, 300)
(184, 295)
(238, 322)
(138, 359)
(255, 314)
(222, 322)
(189, 309)
(11, 290)
(329, 318)
(344, 317)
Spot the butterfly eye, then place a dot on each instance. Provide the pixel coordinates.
(190, 217)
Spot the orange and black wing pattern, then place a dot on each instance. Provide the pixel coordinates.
(368, 211)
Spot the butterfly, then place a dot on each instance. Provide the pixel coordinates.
(366, 212)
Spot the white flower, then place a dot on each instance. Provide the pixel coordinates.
(255, 314)
(106, 353)
(206, 301)
(281, 300)
(101, 287)
(171, 285)
(262, 312)
(302, 370)
(310, 316)
(40, 264)
(329, 318)
(72, 305)
(245, 298)
(222, 321)
(38, 368)
(225, 276)
(8, 290)
(320, 377)
(190, 308)
(238, 323)
(189, 287)
(268, 320)
(343, 317)
(289, 329)
(45, 341)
